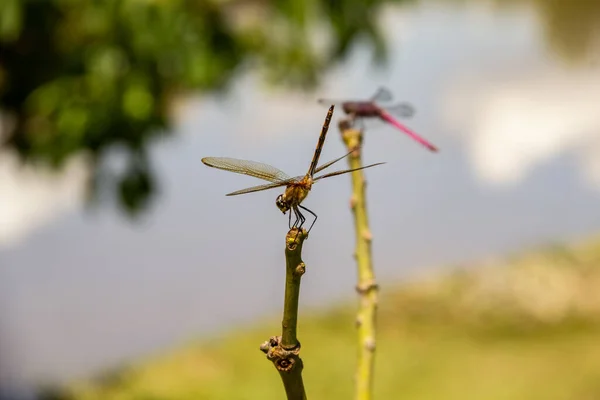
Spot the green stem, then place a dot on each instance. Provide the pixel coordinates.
(284, 350)
(366, 287)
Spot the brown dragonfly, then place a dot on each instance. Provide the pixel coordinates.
(360, 110)
(297, 188)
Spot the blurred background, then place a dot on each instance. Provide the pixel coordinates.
(125, 273)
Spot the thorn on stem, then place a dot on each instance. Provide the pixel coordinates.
(353, 202)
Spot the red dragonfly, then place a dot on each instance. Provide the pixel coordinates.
(361, 109)
(297, 188)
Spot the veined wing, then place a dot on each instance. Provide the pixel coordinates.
(404, 110)
(382, 94)
(330, 163)
(331, 102)
(261, 187)
(345, 171)
(245, 167)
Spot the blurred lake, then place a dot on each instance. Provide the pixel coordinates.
(517, 123)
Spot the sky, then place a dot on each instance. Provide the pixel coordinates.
(518, 167)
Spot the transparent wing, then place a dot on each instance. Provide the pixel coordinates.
(404, 110)
(382, 94)
(261, 187)
(330, 102)
(330, 163)
(368, 124)
(345, 171)
(245, 167)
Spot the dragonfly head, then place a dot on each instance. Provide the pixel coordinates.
(282, 204)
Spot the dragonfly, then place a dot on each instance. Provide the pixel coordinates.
(296, 188)
(363, 109)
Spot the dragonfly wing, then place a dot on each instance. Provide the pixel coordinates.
(261, 187)
(367, 123)
(403, 110)
(382, 94)
(346, 171)
(330, 163)
(330, 102)
(245, 167)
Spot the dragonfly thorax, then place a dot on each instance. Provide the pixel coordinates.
(362, 109)
(294, 194)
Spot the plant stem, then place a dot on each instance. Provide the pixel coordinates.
(284, 350)
(366, 287)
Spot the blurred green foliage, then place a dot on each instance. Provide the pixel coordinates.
(571, 27)
(519, 330)
(83, 77)
(86, 76)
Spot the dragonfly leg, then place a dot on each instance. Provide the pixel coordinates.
(290, 219)
(295, 224)
(301, 217)
(299, 221)
(314, 220)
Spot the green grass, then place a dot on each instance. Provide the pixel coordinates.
(528, 328)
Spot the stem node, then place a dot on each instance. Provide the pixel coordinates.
(370, 344)
(367, 235)
(300, 269)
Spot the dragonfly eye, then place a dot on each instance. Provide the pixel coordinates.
(281, 204)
